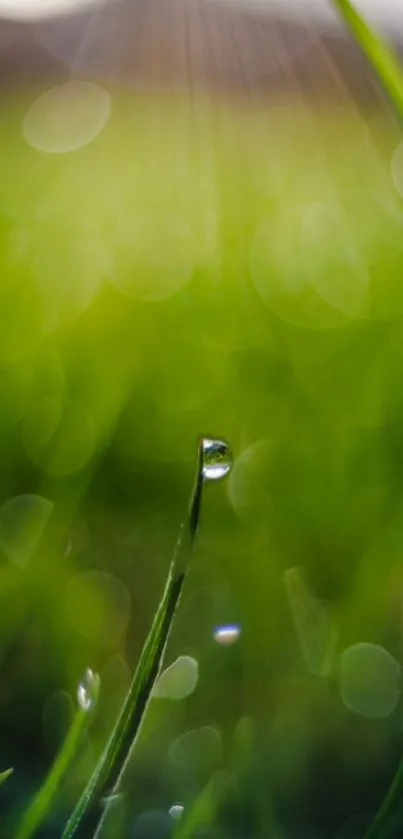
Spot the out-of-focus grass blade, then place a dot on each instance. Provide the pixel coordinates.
(4, 775)
(88, 818)
(44, 799)
(203, 809)
(379, 826)
(381, 57)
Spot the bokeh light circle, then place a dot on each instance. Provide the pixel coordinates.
(66, 117)
(23, 520)
(58, 436)
(369, 680)
(178, 680)
(199, 750)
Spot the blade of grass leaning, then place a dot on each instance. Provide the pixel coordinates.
(44, 799)
(4, 775)
(89, 816)
(381, 57)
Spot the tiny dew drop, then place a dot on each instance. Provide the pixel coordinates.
(87, 691)
(176, 811)
(227, 634)
(217, 459)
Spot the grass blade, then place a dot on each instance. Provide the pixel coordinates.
(44, 799)
(391, 802)
(203, 809)
(382, 58)
(4, 775)
(88, 818)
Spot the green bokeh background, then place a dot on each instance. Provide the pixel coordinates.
(284, 337)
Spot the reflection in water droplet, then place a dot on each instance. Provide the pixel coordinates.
(23, 520)
(227, 635)
(369, 680)
(88, 689)
(217, 459)
(178, 680)
(316, 634)
(176, 811)
(199, 750)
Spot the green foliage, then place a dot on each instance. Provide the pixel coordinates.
(202, 266)
(4, 775)
(46, 797)
(383, 60)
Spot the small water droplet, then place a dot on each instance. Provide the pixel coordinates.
(87, 691)
(227, 634)
(176, 811)
(217, 459)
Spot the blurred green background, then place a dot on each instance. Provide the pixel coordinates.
(216, 267)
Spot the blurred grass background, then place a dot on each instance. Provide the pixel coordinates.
(215, 266)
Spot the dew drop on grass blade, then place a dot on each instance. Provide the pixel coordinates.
(87, 694)
(212, 463)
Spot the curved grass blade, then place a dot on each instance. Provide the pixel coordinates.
(391, 803)
(382, 59)
(44, 799)
(4, 775)
(88, 818)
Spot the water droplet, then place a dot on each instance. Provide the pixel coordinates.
(369, 680)
(217, 459)
(178, 680)
(88, 689)
(176, 811)
(227, 635)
